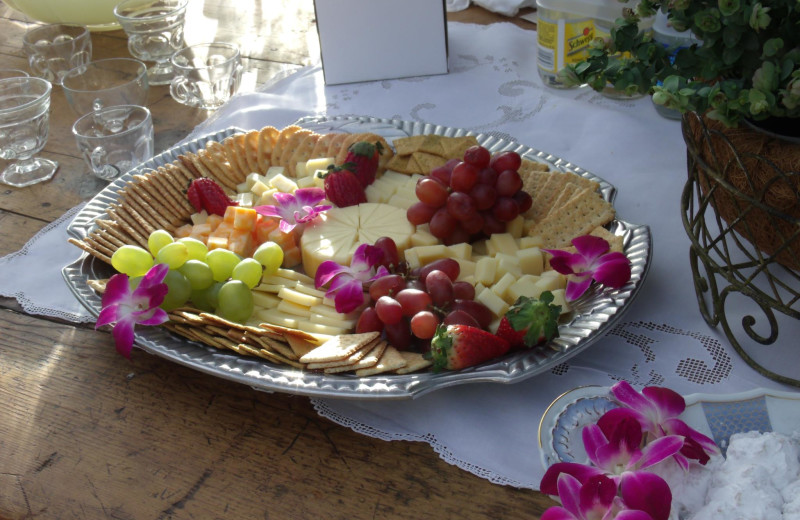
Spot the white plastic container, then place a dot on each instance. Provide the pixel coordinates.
(566, 27)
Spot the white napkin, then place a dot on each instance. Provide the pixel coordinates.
(32, 275)
(506, 7)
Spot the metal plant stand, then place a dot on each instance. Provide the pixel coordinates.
(726, 209)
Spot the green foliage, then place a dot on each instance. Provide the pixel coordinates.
(747, 66)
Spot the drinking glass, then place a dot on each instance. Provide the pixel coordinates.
(155, 32)
(103, 83)
(13, 73)
(24, 119)
(206, 75)
(115, 139)
(54, 49)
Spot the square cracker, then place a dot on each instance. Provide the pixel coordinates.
(408, 145)
(390, 361)
(548, 192)
(584, 213)
(454, 147)
(349, 361)
(300, 346)
(403, 164)
(370, 359)
(427, 162)
(414, 361)
(339, 347)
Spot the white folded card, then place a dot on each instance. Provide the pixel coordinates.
(366, 40)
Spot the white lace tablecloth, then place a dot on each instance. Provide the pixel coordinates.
(493, 87)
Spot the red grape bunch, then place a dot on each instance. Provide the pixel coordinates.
(407, 307)
(474, 197)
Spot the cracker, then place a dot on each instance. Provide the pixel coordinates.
(90, 249)
(584, 213)
(454, 147)
(567, 192)
(370, 359)
(280, 142)
(547, 193)
(286, 332)
(349, 361)
(289, 148)
(414, 362)
(339, 347)
(403, 164)
(528, 167)
(232, 147)
(427, 162)
(390, 361)
(408, 145)
(250, 143)
(336, 144)
(615, 242)
(267, 137)
(215, 153)
(300, 347)
(321, 146)
(276, 346)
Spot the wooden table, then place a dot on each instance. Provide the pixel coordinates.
(86, 434)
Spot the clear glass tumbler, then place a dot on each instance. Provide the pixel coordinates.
(206, 75)
(103, 83)
(54, 49)
(24, 123)
(115, 139)
(155, 32)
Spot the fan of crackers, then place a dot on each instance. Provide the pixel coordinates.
(565, 205)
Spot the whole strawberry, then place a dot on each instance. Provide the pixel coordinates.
(342, 187)
(530, 321)
(454, 347)
(362, 159)
(206, 194)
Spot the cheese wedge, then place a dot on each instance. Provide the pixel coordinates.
(337, 233)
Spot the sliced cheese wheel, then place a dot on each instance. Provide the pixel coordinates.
(337, 233)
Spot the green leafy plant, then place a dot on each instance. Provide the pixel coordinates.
(747, 64)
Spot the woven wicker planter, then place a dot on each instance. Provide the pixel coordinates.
(753, 182)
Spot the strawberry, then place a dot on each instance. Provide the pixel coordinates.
(454, 347)
(530, 321)
(206, 194)
(343, 188)
(362, 159)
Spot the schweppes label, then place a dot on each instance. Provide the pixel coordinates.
(563, 42)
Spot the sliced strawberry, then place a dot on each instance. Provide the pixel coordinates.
(206, 194)
(342, 187)
(530, 322)
(454, 347)
(362, 159)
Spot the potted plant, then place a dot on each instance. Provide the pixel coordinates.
(746, 66)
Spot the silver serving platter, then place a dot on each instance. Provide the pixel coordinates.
(595, 312)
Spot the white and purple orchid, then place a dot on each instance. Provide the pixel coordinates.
(591, 262)
(346, 284)
(596, 499)
(295, 209)
(622, 447)
(126, 308)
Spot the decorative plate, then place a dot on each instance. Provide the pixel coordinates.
(716, 415)
(594, 313)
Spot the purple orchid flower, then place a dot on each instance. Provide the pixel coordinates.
(657, 410)
(597, 499)
(296, 209)
(128, 308)
(591, 262)
(346, 283)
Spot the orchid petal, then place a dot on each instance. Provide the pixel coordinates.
(286, 200)
(577, 285)
(557, 513)
(627, 395)
(590, 247)
(645, 491)
(326, 271)
(309, 196)
(157, 317)
(118, 289)
(660, 449)
(678, 427)
(349, 297)
(107, 316)
(610, 420)
(632, 514)
(614, 272)
(580, 471)
(669, 402)
(564, 262)
(380, 273)
(268, 211)
(341, 281)
(286, 226)
(569, 492)
(596, 495)
(154, 276)
(593, 440)
(365, 257)
(123, 336)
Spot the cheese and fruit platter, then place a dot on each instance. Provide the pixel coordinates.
(357, 257)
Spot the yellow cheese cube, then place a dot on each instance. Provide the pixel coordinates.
(319, 163)
(305, 182)
(273, 171)
(525, 286)
(298, 297)
(496, 304)
(411, 257)
(500, 288)
(559, 298)
(265, 300)
(502, 243)
(486, 270)
(516, 227)
(427, 254)
(267, 198)
(462, 250)
(550, 282)
(300, 169)
(508, 264)
(467, 268)
(423, 238)
(251, 179)
(534, 241)
(531, 260)
(283, 183)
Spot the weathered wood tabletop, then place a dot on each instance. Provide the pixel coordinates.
(86, 434)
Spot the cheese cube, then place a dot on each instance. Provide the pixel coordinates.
(251, 179)
(427, 254)
(508, 264)
(412, 258)
(318, 328)
(293, 309)
(267, 198)
(534, 241)
(319, 180)
(467, 268)
(423, 238)
(305, 182)
(462, 250)
(500, 288)
(531, 260)
(272, 171)
(309, 289)
(502, 243)
(265, 300)
(319, 163)
(283, 183)
(300, 169)
(551, 283)
(294, 275)
(486, 270)
(333, 322)
(559, 298)
(525, 286)
(258, 188)
(298, 297)
(496, 304)
(516, 227)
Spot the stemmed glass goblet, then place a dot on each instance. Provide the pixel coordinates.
(24, 124)
(155, 32)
